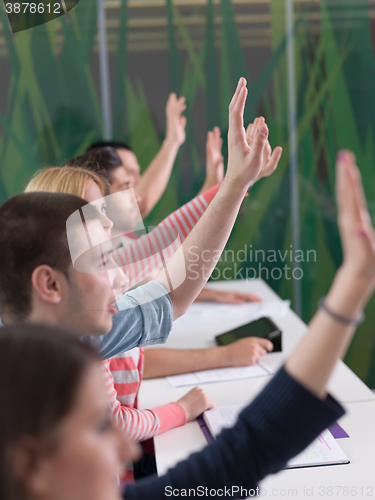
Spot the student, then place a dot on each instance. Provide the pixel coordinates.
(61, 443)
(123, 373)
(129, 175)
(152, 184)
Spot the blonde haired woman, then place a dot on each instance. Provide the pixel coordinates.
(73, 180)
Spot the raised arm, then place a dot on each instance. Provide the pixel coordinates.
(155, 179)
(293, 408)
(190, 267)
(328, 337)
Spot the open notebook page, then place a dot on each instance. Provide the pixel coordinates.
(324, 450)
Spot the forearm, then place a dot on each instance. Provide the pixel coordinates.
(165, 362)
(190, 267)
(155, 179)
(327, 339)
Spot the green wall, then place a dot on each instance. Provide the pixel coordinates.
(51, 110)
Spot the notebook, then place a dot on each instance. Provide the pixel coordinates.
(324, 450)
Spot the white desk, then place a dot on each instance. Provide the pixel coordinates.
(179, 443)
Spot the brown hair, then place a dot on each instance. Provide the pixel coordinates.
(41, 369)
(99, 160)
(32, 233)
(67, 179)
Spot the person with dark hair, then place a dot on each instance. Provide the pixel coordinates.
(47, 380)
(63, 445)
(123, 171)
(152, 183)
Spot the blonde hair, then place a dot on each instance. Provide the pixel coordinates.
(71, 180)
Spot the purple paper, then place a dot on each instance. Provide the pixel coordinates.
(337, 431)
(204, 428)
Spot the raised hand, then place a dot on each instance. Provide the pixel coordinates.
(268, 166)
(176, 123)
(356, 231)
(245, 163)
(214, 158)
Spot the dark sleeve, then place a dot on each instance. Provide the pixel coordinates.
(282, 421)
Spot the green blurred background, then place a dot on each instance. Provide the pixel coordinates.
(50, 110)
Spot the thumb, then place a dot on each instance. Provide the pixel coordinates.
(183, 121)
(267, 344)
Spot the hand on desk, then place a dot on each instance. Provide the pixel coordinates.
(195, 402)
(209, 294)
(247, 351)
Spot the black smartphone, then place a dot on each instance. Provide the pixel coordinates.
(263, 327)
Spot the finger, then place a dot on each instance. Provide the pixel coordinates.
(236, 131)
(360, 214)
(250, 297)
(358, 187)
(272, 163)
(217, 132)
(248, 133)
(267, 153)
(260, 140)
(266, 344)
(171, 99)
(262, 352)
(180, 109)
(344, 191)
(183, 121)
(241, 83)
(210, 403)
(254, 129)
(209, 139)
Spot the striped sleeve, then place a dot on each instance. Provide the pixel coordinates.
(140, 257)
(122, 376)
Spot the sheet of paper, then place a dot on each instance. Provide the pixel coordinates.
(211, 312)
(324, 450)
(218, 375)
(221, 417)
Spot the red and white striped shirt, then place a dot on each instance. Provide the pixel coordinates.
(123, 376)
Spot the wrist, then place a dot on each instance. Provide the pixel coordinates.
(171, 144)
(235, 187)
(223, 357)
(350, 292)
(357, 277)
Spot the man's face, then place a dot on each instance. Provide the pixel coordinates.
(123, 210)
(94, 284)
(131, 165)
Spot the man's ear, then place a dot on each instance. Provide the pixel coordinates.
(30, 466)
(48, 283)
